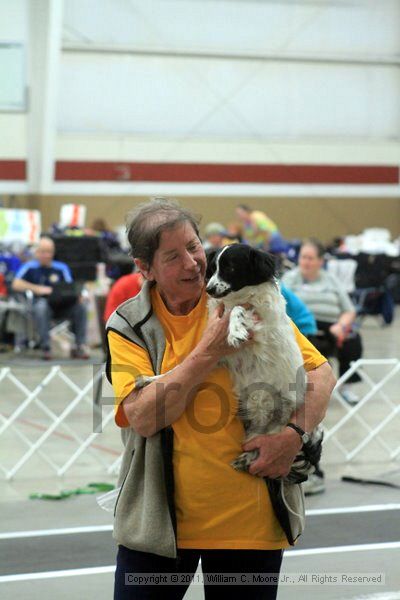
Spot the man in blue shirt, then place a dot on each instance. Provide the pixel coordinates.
(42, 276)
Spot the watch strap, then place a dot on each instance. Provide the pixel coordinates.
(298, 429)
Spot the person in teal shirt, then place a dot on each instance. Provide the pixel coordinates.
(301, 316)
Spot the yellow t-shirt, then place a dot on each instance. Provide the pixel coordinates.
(216, 506)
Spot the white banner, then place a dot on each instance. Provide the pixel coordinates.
(20, 225)
(72, 215)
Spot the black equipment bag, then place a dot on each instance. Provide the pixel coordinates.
(64, 295)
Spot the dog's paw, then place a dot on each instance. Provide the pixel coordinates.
(236, 339)
(238, 327)
(243, 461)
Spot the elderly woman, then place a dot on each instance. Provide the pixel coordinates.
(180, 499)
(331, 306)
(334, 312)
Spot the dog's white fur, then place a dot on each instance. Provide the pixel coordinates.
(268, 374)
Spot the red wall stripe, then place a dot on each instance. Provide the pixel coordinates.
(226, 173)
(210, 173)
(14, 170)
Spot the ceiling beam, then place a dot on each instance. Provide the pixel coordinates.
(338, 59)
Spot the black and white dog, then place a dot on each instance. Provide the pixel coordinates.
(268, 375)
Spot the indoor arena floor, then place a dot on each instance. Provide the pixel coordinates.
(64, 549)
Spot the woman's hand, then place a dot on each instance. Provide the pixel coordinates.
(337, 330)
(341, 333)
(276, 453)
(214, 341)
(343, 327)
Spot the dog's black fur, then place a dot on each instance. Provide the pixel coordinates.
(239, 275)
(234, 267)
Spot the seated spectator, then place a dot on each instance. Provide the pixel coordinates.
(331, 305)
(45, 278)
(124, 288)
(335, 315)
(216, 236)
(258, 230)
(100, 228)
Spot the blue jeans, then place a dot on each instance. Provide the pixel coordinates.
(43, 314)
(131, 562)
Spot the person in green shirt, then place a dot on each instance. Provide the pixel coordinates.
(258, 229)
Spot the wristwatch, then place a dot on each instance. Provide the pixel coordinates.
(305, 437)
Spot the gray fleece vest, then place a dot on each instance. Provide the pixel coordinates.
(144, 517)
(144, 513)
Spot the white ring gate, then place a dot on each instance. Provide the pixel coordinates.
(356, 414)
(57, 420)
(100, 412)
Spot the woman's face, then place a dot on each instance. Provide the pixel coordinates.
(179, 264)
(309, 262)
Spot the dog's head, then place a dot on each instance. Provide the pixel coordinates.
(234, 267)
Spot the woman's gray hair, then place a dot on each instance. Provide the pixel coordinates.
(316, 244)
(148, 220)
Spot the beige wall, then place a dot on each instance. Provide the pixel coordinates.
(296, 217)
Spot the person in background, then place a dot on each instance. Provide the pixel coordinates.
(3, 286)
(331, 306)
(124, 288)
(214, 236)
(301, 316)
(258, 230)
(10, 262)
(41, 276)
(335, 315)
(100, 228)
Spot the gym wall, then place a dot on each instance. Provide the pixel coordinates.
(296, 217)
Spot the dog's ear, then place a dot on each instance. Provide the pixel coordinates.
(263, 265)
(211, 256)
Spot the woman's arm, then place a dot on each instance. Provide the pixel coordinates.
(320, 384)
(277, 452)
(162, 402)
(21, 285)
(342, 327)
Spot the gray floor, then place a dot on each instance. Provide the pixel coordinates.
(64, 548)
